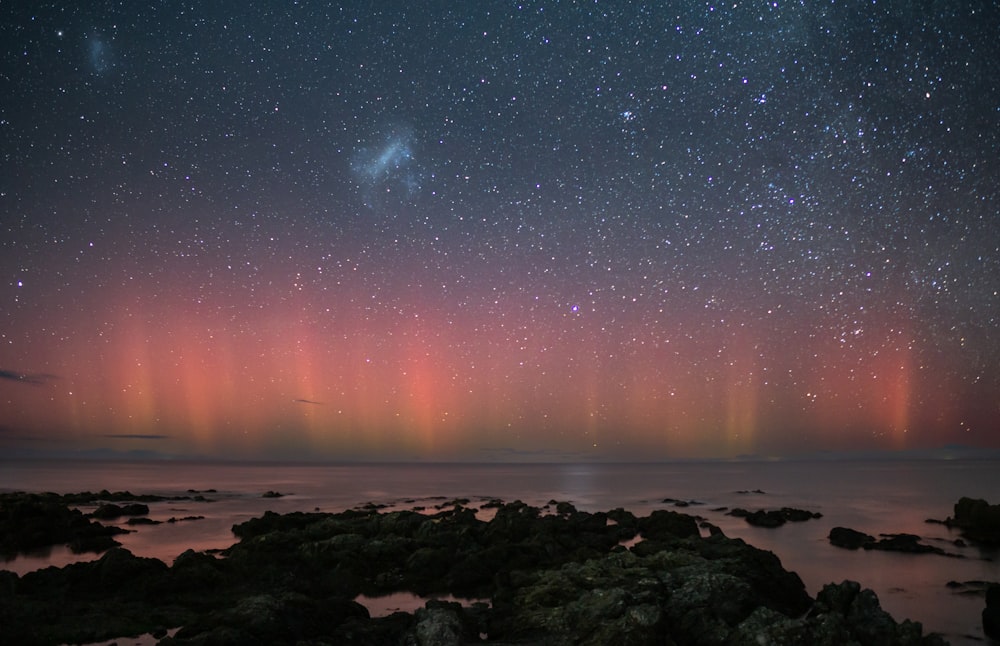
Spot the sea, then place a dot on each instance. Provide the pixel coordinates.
(872, 496)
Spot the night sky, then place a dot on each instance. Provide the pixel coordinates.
(499, 230)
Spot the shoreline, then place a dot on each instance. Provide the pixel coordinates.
(544, 570)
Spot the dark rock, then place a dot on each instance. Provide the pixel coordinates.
(774, 518)
(663, 524)
(680, 597)
(681, 503)
(978, 520)
(622, 517)
(713, 530)
(552, 578)
(280, 618)
(30, 522)
(92, 543)
(764, 518)
(991, 613)
(565, 508)
(441, 623)
(143, 521)
(272, 494)
(173, 519)
(195, 570)
(845, 613)
(908, 543)
(111, 511)
(601, 601)
(783, 590)
(799, 515)
(849, 538)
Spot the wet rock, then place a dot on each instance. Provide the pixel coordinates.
(680, 503)
(174, 519)
(665, 525)
(441, 623)
(843, 614)
(622, 517)
(614, 599)
(195, 570)
(280, 618)
(782, 590)
(553, 578)
(908, 543)
(713, 530)
(991, 613)
(111, 511)
(119, 594)
(856, 612)
(29, 522)
(565, 508)
(774, 518)
(143, 521)
(849, 538)
(763, 518)
(978, 520)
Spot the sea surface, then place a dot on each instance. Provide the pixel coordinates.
(871, 496)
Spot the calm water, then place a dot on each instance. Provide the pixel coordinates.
(874, 497)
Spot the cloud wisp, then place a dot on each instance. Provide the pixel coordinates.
(39, 379)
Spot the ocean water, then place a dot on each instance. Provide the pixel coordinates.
(870, 496)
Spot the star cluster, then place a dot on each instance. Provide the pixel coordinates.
(439, 230)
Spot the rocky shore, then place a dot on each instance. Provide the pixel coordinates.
(551, 575)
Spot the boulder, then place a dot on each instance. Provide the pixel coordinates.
(279, 618)
(909, 543)
(849, 538)
(30, 522)
(764, 518)
(664, 525)
(441, 623)
(111, 511)
(978, 520)
(856, 612)
(774, 518)
(991, 613)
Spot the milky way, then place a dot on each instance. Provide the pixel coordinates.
(553, 230)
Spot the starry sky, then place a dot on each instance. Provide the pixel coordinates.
(499, 230)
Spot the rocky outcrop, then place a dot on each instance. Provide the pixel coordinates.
(991, 613)
(978, 520)
(29, 522)
(775, 517)
(673, 597)
(850, 539)
(111, 511)
(558, 578)
(909, 543)
(35, 521)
